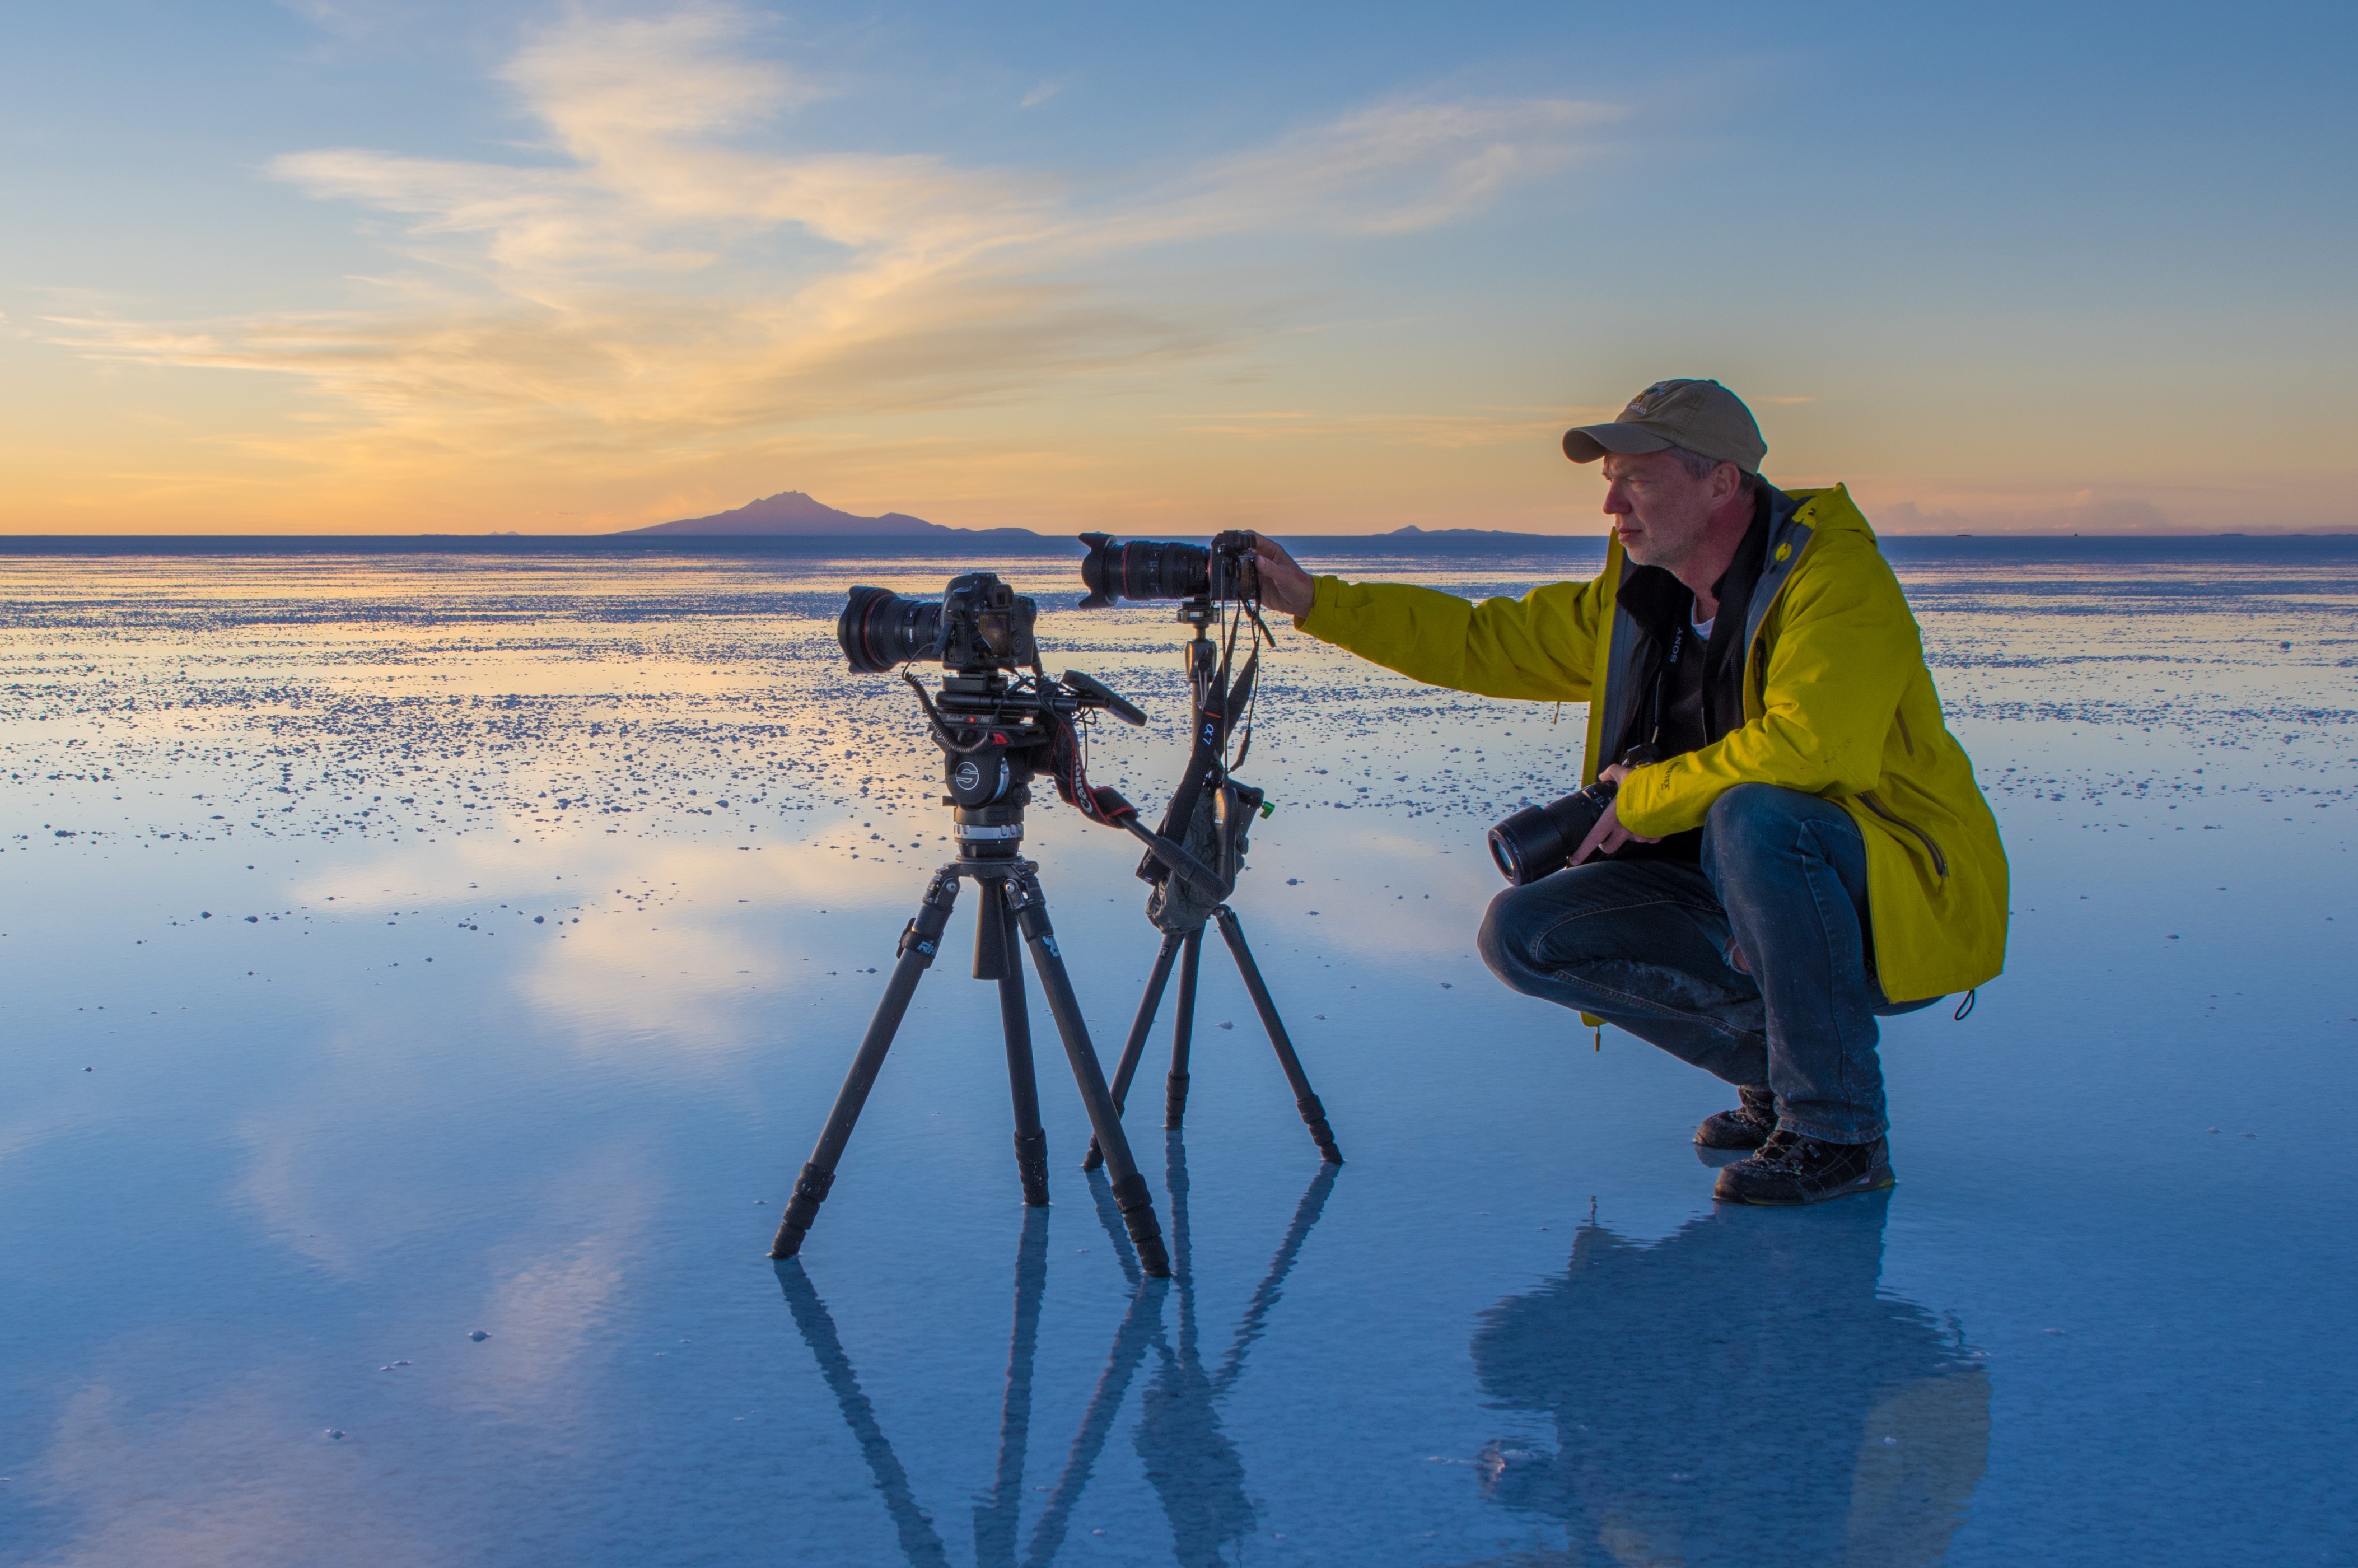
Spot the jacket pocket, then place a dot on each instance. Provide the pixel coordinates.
(1906, 742)
(1940, 861)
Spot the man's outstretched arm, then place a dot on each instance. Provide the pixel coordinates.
(1541, 646)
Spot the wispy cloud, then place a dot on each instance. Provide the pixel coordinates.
(653, 268)
(1042, 93)
(1483, 427)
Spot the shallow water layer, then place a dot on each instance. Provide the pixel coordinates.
(424, 978)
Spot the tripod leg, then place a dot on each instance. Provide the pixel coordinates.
(920, 939)
(920, 1544)
(1183, 1032)
(1313, 1114)
(1024, 1087)
(995, 1522)
(1133, 1049)
(1129, 1194)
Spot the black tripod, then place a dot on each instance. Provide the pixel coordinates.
(994, 738)
(1209, 815)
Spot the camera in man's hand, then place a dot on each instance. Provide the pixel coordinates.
(1540, 840)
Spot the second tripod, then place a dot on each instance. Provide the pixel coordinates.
(1211, 814)
(1187, 948)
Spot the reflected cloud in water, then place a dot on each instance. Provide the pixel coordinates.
(1738, 1393)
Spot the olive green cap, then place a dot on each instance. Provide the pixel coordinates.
(1700, 416)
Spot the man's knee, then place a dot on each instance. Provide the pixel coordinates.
(1759, 837)
(1753, 823)
(1511, 927)
(1496, 937)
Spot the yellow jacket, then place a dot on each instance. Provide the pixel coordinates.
(1837, 702)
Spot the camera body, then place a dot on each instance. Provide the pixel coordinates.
(996, 728)
(982, 625)
(1227, 570)
(987, 625)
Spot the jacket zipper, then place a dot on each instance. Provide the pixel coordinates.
(1940, 861)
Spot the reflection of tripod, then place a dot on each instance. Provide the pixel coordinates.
(1191, 1462)
(1209, 815)
(1003, 736)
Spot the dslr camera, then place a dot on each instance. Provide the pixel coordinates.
(1540, 840)
(982, 625)
(1146, 569)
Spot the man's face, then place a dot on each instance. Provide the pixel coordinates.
(1659, 513)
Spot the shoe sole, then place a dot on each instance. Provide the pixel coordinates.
(1868, 1184)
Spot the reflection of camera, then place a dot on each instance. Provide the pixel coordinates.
(1145, 570)
(1539, 839)
(981, 625)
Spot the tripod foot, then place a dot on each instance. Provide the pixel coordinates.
(810, 1190)
(1094, 1158)
(1175, 1100)
(1137, 1205)
(1032, 1164)
(1314, 1115)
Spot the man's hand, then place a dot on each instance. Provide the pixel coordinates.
(1609, 835)
(1283, 586)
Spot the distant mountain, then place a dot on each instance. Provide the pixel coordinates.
(1469, 535)
(792, 512)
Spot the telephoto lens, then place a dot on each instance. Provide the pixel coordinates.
(1538, 839)
(1142, 570)
(879, 630)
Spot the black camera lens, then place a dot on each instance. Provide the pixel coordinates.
(879, 628)
(1142, 570)
(1539, 839)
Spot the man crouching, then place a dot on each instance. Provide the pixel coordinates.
(1797, 846)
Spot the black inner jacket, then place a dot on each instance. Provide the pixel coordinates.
(1663, 609)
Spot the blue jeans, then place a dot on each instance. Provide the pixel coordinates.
(1645, 945)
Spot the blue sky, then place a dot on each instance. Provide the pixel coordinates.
(389, 266)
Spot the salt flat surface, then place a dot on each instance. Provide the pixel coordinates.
(423, 980)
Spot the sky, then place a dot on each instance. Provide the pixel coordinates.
(403, 265)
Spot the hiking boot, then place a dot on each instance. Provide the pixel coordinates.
(1747, 1126)
(1790, 1170)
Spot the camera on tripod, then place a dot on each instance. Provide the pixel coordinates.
(1210, 810)
(998, 721)
(1228, 571)
(981, 625)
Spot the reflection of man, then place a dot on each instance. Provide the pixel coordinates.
(1799, 847)
(1738, 1393)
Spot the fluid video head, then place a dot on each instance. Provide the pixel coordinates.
(1146, 569)
(982, 625)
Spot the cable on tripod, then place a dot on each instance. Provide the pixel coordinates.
(1068, 765)
(944, 736)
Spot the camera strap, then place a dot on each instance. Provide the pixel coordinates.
(1659, 704)
(1203, 755)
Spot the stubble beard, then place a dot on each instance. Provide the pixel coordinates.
(1650, 549)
